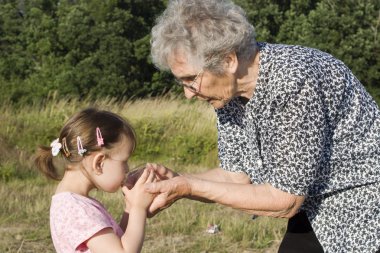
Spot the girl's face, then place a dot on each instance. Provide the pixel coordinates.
(115, 165)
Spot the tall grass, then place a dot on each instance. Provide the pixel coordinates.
(169, 131)
(177, 133)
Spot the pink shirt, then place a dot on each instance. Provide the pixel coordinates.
(74, 219)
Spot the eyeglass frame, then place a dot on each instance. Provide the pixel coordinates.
(191, 85)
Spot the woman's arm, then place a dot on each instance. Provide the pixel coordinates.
(215, 175)
(163, 173)
(220, 175)
(261, 199)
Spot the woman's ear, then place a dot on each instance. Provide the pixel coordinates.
(98, 162)
(231, 63)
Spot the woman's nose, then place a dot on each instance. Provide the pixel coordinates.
(188, 93)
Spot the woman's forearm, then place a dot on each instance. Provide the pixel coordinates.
(260, 199)
(236, 192)
(220, 175)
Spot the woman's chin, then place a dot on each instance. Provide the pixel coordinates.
(217, 104)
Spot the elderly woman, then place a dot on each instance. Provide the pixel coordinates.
(298, 135)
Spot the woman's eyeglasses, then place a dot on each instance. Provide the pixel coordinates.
(192, 83)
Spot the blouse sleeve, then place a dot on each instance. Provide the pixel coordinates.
(237, 143)
(294, 143)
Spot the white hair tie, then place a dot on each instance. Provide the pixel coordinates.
(55, 147)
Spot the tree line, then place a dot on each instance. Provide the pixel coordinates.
(100, 48)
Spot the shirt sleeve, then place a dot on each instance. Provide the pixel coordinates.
(79, 221)
(294, 143)
(237, 144)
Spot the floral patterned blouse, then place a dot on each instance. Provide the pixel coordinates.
(310, 129)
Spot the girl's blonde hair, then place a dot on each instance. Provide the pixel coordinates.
(83, 124)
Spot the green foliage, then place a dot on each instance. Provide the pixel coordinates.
(347, 29)
(76, 48)
(101, 49)
(266, 16)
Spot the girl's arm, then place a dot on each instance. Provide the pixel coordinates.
(132, 240)
(134, 234)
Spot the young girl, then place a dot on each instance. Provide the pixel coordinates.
(93, 149)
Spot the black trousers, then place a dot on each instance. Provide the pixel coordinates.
(300, 237)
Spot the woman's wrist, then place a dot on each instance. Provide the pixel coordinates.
(186, 184)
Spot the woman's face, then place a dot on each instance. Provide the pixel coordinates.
(216, 90)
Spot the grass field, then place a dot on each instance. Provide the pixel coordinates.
(180, 134)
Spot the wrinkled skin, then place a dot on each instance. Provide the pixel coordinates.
(161, 173)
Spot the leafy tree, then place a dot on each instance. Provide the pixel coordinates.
(13, 60)
(266, 16)
(347, 29)
(101, 48)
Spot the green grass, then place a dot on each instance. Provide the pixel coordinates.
(180, 134)
(24, 223)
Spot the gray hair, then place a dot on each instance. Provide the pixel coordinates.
(206, 30)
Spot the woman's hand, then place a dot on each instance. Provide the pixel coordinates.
(166, 194)
(137, 197)
(162, 173)
(167, 191)
(133, 176)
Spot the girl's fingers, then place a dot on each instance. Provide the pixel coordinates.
(143, 177)
(125, 190)
(152, 166)
(151, 177)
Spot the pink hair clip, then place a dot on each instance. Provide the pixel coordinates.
(99, 137)
(81, 150)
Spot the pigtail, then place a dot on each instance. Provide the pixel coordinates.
(44, 162)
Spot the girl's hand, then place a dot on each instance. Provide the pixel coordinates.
(133, 176)
(137, 197)
(161, 173)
